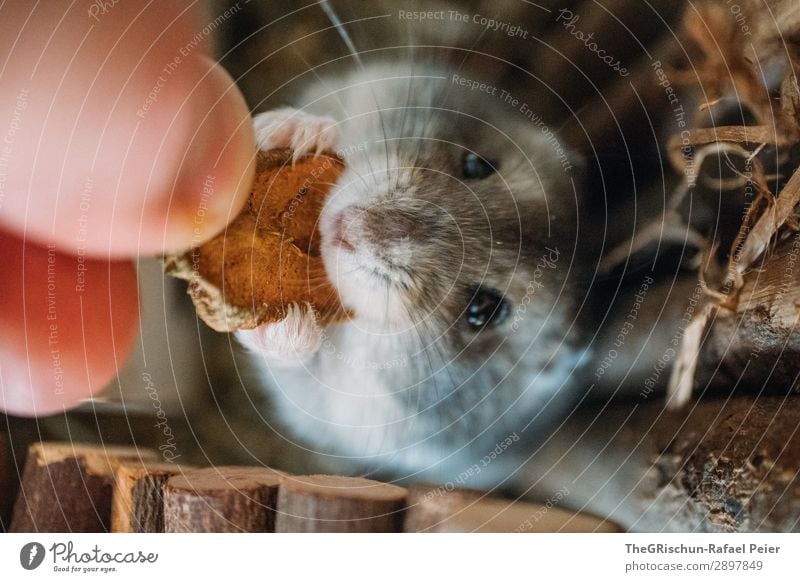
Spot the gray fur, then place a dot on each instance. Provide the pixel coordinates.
(407, 387)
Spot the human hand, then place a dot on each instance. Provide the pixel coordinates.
(118, 137)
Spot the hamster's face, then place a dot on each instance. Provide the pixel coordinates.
(451, 237)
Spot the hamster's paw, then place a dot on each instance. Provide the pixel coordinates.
(292, 128)
(293, 340)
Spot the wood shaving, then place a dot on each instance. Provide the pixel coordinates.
(725, 69)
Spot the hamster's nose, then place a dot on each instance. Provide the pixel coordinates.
(346, 228)
(377, 225)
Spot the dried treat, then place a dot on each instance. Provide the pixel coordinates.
(268, 258)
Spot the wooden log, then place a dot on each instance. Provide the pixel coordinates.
(433, 508)
(693, 469)
(727, 465)
(222, 499)
(723, 465)
(324, 503)
(68, 487)
(752, 343)
(757, 346)
(138, 502)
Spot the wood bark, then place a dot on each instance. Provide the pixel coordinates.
(221, 499)
(138, 501)
(68, 487)
(726, 466)
(756, 347)
(722, 465)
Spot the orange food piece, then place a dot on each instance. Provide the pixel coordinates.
(269, 256)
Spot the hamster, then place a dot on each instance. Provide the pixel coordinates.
(454, 237)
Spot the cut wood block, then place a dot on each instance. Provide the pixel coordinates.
(324, 503)
(222, 499)
(68, 487)
(138, 504)
(429, 506)
(502, 516)
(434, 508)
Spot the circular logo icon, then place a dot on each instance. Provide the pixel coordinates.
(31, 555)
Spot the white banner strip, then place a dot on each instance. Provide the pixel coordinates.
(401, 557)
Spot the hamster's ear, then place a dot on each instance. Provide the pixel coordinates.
(542, 165)
(555, 176)
(559, 155)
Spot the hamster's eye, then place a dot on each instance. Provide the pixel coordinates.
(474, 167)
(486, 307)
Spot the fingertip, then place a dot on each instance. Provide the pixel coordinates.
(216, 175)
(68, 324)
(117, 126)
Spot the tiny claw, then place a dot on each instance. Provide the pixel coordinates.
(293, 340)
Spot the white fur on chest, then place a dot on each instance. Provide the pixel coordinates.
(347, 395)
(359, 400)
